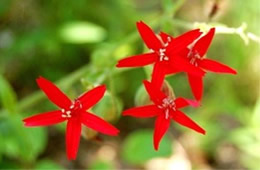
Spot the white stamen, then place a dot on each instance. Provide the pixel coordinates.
(166, 58)
(152, 50)
(166, 44)
(63, 110)
(169, 39)
(68, 112)
(63, 116)
(166, 113)
(161, 50)
(72, 106)
(161, 58)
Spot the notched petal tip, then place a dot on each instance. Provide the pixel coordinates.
(213, 30)
(139, 22)
(156, 147)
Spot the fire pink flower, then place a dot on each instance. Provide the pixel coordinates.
(162, 54)
(165, 109)
(74, 112)
(195, 55)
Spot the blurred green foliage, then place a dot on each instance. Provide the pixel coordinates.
(138, 147)
(77, 44)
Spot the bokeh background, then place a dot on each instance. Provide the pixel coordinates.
(76, 44)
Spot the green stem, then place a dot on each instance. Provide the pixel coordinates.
(64, 84)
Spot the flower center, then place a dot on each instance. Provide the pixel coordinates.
(74, 107)
(162, 55)
(194, 56)
(161, 52)
(167, 105)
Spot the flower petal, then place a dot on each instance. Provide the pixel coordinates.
(91, 97)
(148, 36)
(215, 66)
(143, 111)
(138, 60)
(54, 93)
(92, 121)
(73, 134)
(161, 126)
(155, 94)
(182, 41)
(182, 64)
(182, 102)
(196, 84)
(184, 120)
(44, 119)
(203, 43)
(159, 71)
(165, 37)
(184, 52)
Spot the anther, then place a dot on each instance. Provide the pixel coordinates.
(72, 106)
(63, 110)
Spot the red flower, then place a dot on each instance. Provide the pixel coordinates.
(72, 111)
(195, 56)
(165, 109)
(163, 54)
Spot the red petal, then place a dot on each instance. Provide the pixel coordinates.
(159, 71)
(155, 94)
(143, 111)
(184, 120)
(73, 134)
(161, 126)
(215, 66)
(203, 43)
(54, 93)
(91, 97)
(172, 70)
(196, 84)
(165, 36)
(44, 119)
(148, 36)
(182, 41)
(182, 64)
(92, 121)
(181, 102)
(138, 60)
(184, 52)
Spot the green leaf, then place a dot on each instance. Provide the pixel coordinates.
(138, 147)
(7, 95)
(141, 96)
(104, 165)
(82, 32)
(20, 142)
(109, 107)
(47, 164)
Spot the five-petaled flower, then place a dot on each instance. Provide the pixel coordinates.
(165, 109)
(74, 112)
(163, 54)
(195, 55)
